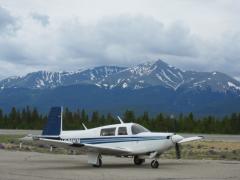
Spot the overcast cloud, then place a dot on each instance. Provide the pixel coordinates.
(67, 35)
(41, 18)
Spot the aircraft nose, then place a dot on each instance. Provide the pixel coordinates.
(176, 138)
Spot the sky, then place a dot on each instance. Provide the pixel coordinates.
(66, 35)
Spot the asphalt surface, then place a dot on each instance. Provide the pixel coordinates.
(17, 165)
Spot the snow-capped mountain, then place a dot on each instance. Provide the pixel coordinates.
(143, 75)
(45, 79)
(153, 86)
(160, 73)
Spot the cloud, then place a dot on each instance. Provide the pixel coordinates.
(125, 38)
(11, 50)
(7, 22)
(117, 40)
(20, 68)
(36, 43)
(41, 18)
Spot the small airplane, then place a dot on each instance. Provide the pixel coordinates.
(121, 140)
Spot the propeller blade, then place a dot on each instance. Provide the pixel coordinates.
(178, 152)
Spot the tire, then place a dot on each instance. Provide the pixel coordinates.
(154, 164)
(99, 163)
(138, 161)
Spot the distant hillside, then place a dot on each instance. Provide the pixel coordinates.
(154, 87)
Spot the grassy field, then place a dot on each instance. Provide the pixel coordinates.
(215, 150)
(12, 143)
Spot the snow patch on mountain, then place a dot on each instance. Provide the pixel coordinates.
(230, 84)
(125, 85)
(143, 69)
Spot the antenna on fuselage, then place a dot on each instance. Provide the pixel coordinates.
(84, 126)
(121, 121)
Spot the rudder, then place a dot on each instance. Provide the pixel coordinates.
(54, 122)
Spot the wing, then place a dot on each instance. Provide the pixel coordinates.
(191, 139)
(85, 147)
(107, 150)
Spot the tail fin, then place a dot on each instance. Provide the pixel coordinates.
(54, 122)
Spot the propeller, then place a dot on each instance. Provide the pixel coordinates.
(178, 152)
(176, 139)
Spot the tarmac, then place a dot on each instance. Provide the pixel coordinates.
(18, 165)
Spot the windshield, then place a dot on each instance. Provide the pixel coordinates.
(136, 129)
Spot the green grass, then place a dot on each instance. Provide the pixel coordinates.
(215, 150)
(12, 143)
(9, 138)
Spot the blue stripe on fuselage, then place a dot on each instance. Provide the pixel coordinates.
(118, 139)
(112, 139)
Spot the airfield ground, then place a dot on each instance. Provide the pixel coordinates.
(33, 162)
(16, 165)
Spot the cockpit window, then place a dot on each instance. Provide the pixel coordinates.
(122, 131)
(108, 132)
(136, 129)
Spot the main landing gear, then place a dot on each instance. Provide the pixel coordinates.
(138, 161)
(95, 159)
(154, 164)
(99, 163)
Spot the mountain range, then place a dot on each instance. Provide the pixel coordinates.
(152, 86)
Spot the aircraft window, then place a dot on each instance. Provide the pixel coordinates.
(122, 131)
(108, 132)
(136, 129)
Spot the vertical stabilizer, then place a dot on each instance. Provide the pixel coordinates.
(54, 122)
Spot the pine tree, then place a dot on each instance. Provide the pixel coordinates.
(158, 123)
(95, 119)
(129, 116)
(1, 119)
(110, 119)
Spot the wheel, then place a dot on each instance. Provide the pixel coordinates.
(99, 163)
(154, 164)
(138, 161)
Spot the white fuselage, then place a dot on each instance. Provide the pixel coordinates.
(138, 143)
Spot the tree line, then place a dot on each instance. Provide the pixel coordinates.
(30, 118)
